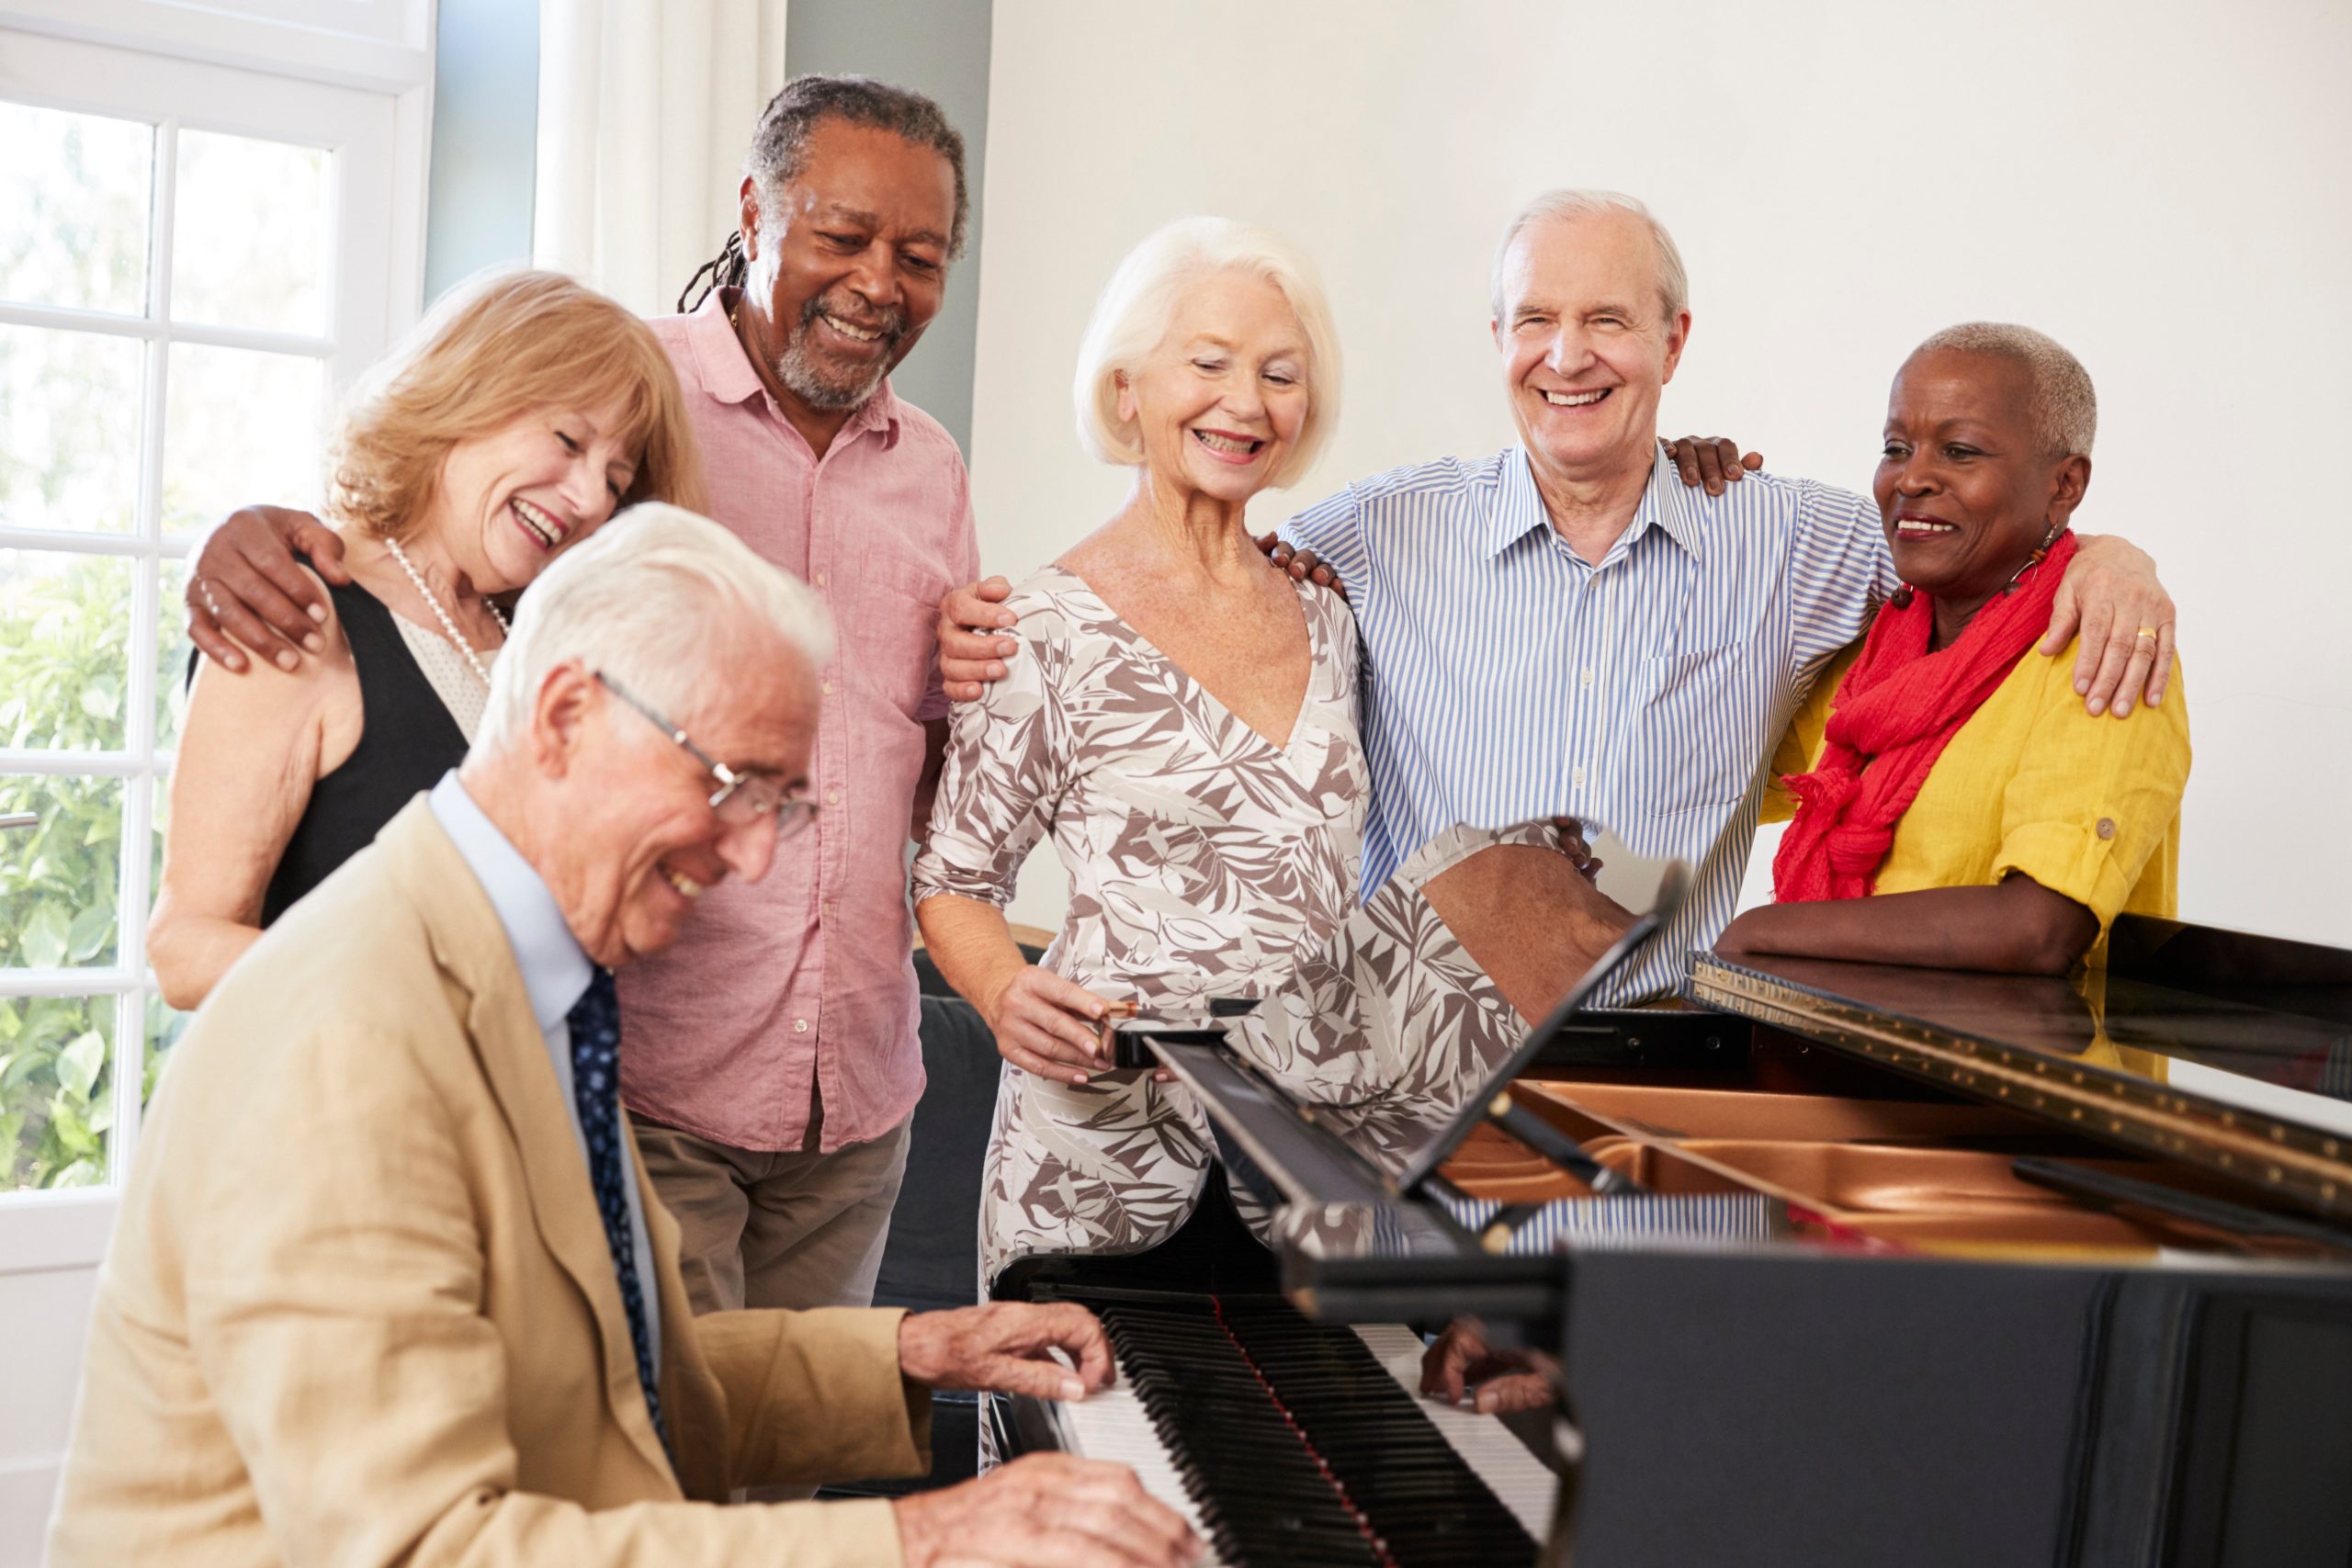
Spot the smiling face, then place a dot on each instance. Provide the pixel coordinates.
(646, 843)
(846, 275)
(1220, 402)
(508, 501)
(1965, 490)
(1587, 344)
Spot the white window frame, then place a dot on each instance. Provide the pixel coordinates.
(377, 131)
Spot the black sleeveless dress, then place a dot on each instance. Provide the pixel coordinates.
(407, 741)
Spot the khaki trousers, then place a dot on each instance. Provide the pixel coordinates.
(798, 1229)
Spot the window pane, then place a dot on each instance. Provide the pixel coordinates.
(250, 234)
(56, 1090)
(57, 880)
(75, 191)
(238, 427)
(70, 406)
(64, 628)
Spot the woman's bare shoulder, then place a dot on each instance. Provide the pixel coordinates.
(268, 697)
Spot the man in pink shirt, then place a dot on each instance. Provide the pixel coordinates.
(770, 1060)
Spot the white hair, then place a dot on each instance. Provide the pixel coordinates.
(1139, 303)
(1673, 282)
(2064, 408)
(659, 598)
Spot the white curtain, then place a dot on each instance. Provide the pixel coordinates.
(646, 108)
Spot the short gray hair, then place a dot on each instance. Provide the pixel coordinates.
(1673, 282)
(1139, 302)
(780, 146)
(659, 597)
(2064, 408)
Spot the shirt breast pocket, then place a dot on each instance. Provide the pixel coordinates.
(892, 652)
(1695, 739)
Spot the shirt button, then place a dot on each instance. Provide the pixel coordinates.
(832, 797)
(1577, 778)
(799, 1026)
(829, 688)
(1587, 677)
(821, 580)
(2107, 827)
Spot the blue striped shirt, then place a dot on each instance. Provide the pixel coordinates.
(1507, 679)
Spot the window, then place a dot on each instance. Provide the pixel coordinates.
(193, 260)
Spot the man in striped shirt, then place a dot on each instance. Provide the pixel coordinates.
(1566, 628)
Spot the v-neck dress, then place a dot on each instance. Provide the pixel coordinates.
(1203, 861)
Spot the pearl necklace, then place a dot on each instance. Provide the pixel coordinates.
(449, 625)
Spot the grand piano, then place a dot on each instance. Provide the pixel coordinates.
(1838, 1264)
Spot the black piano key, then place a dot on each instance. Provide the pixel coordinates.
(1297, 1444)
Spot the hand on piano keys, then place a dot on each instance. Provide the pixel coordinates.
(1284, 1442)
(1044, 1349)
(1460, 1361)
(1044, 1511)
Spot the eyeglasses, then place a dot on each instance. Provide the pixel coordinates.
(741, 798)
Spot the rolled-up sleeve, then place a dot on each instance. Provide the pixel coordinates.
(1008, 763)
(2093, 799)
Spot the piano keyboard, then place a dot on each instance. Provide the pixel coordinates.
(1282, 1441)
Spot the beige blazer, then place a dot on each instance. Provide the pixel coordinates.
(359, 1308)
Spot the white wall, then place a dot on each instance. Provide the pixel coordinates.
(2164, 188)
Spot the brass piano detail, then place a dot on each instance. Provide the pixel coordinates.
(2298, 1165)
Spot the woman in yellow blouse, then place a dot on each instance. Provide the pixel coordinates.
(1941, 770)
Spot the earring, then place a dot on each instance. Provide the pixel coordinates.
(2040, 552)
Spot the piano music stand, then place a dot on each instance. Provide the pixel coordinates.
(1311, 1163)
(1493, 1103)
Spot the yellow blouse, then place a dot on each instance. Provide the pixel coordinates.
(2088, 808)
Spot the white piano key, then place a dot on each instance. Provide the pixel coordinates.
(1112, 1424)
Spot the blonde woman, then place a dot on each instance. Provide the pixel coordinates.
(521, 414)
(1181, 720)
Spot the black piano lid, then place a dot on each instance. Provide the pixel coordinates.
(2226, 1051)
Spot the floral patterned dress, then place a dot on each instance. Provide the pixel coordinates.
(1204, 861)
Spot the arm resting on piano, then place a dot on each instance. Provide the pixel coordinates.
(1530, 919)
(2016, 927)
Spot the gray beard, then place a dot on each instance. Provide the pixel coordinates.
(806, 379)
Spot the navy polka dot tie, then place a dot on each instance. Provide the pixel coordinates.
(595, 1023)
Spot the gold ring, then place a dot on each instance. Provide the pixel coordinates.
(2148, 632)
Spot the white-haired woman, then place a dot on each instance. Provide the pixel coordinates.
(1182, 720)
(513, 422)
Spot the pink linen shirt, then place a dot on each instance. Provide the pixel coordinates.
(810, 971)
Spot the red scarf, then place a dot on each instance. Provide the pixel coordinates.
(1899, 708)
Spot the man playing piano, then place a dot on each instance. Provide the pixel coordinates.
(388, 1285)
